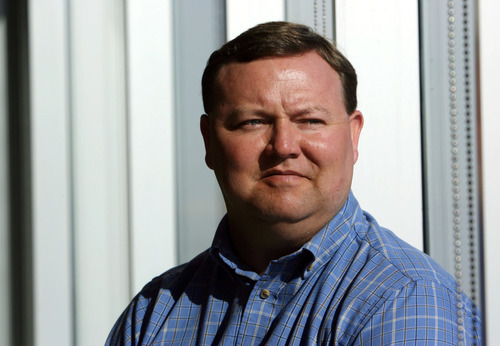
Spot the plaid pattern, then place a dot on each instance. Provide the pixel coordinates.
(353, 283)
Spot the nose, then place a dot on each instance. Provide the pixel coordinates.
(284, 141)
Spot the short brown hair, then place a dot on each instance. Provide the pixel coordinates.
(275, 39)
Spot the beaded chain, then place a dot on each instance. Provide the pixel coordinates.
(455, 167)
(469, 178)
(323, 16)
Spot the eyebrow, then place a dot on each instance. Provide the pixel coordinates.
(294, 113)
(311, 109)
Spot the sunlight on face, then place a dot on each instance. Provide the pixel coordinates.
(280, 141)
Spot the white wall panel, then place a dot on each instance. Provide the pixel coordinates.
(380, 38)
(151, 114)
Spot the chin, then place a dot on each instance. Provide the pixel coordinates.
(284, 213)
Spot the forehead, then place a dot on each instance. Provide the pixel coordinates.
(293, 74)
(310, 61)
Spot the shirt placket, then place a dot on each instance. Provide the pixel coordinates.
(259, 311)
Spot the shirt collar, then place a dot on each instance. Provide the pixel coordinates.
(222, 250)
(318, 250)
(326, 242)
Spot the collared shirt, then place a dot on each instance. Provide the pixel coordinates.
(354, 282)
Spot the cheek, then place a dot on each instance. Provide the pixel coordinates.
(234, 155)
(330, 150)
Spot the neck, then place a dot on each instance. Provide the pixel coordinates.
(258, 244)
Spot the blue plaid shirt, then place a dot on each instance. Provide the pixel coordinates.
(353, 283)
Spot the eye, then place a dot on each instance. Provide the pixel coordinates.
(313, 121)
(253, 122)
(311, 124)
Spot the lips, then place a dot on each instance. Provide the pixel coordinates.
(277, 172)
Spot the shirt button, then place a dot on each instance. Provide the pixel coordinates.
(264, 294)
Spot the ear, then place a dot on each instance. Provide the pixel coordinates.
(205, 132)
(356, 121)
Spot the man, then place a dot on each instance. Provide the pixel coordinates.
(295, 260)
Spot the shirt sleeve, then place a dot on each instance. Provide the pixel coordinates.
(130, 328)
(126, 330)
(423, 313)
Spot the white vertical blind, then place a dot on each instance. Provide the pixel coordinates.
(52, 258)
(244, 14)
(489, 56)
(199, 28)
(100, 166)
(318, 15)
(4, 190)
(380, 38)
(151, 114)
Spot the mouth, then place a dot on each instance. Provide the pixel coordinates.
(282, 173)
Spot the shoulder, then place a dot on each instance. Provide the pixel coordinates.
(174, 281)
(376, 249)
(151, 304)
(412, 293)
(401, 256)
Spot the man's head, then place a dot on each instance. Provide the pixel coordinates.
(281, 143)
(275, 39)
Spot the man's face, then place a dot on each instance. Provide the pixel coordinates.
(280, 141)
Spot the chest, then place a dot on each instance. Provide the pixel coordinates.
(311, 309)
